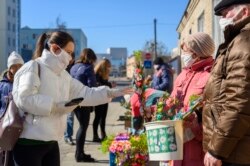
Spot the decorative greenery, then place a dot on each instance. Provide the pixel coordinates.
(169, 108)
(127, 115)
(138, 56)
(130, 150)
(106, 143)
(125, 104)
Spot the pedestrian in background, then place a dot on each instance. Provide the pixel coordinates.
(42, 95)
(14, 63)
(226, 114)
(70, 117)
(83, 70)
(197, 51)
(162, 76)
(102, 71)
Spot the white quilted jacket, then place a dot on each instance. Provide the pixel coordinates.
(36, 96)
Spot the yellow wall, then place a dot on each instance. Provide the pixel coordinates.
(190, 18)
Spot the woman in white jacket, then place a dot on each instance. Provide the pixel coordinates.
(41, 89)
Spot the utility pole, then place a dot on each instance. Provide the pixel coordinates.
(155, 41)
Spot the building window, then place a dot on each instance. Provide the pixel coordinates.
(25, 46)
(9, 11)
(9, 26)
(34, 36)
(201, 23)
(9, 41)
(14, 1)
(13, 42)
(14, 13)
(14, 28)
(190, 31)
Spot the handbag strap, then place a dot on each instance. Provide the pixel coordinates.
(10, 97)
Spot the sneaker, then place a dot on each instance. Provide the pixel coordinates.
(69, 141)
(84, 158)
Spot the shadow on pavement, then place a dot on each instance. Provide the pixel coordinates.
(118, 99)
(102, 161)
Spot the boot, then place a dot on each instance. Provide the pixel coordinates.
(104, 136)
(81, 157)
(96, 139)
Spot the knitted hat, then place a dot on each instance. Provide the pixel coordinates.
(14, 58)
(227, 3)
(158, 61)
(200, 43)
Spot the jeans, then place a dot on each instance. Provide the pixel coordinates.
(70, 124)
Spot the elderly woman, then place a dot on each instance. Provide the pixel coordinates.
(197, 51)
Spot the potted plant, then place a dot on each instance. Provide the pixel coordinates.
(127, 119)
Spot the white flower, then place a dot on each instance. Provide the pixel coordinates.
(163, 147)
(162, 131)
(173, 147)
(157, 149)
(155, 141)
(163, 139)
(155, 133)
(170, 130)
(151, 141)
(171, 139)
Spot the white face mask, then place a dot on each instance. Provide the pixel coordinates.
(187, 60)
(225, 22)
(63, 57)
(156, 67)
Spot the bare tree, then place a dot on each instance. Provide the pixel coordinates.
(161, 48)
(61, 25)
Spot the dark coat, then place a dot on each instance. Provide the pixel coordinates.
(5, 90)
(162, 81)
(100, 81)
(84, 72)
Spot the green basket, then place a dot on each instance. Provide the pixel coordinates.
(165, 140)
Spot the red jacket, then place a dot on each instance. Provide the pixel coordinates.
(192, 81)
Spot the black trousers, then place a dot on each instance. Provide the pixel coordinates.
(37, 155)
(100, 118)
(82, 115)
(231, 164)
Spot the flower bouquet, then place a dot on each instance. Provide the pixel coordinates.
(129, 150)
(168, 108)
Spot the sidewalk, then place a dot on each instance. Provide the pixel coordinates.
(113, 126)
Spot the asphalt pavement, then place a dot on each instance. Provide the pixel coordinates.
(113, 126)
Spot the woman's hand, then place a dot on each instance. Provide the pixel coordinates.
(210, 160)
(113, 84)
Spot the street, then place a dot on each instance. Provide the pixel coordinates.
(113, 126)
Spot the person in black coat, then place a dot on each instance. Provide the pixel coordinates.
(102, 70)
(83, 70)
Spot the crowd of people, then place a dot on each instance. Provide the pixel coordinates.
(217, 134)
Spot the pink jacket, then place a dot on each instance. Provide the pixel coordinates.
(192, 81)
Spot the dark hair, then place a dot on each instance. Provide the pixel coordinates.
(158, 61)
(87, 56)
(58, 37)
